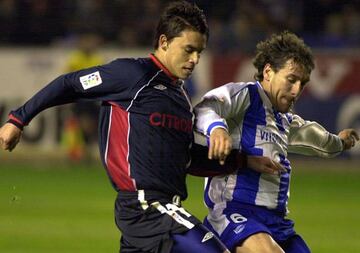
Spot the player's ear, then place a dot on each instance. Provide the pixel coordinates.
(163, 42)
(267, 72)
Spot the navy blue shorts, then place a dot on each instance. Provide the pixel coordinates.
(155, 222)
(234, 224)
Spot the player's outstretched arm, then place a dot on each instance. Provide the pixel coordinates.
(220, 145)
(349, 138)
(9, 136)
(203, 167)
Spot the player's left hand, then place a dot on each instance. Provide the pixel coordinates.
(220, 145)
(349, 138)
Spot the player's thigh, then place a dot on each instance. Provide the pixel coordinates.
(259, 242)
(197, 239)
(295, 244)
(126, 247)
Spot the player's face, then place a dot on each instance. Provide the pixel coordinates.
(286, 85)
(183, 53)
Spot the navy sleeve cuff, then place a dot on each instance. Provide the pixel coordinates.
(13, 120)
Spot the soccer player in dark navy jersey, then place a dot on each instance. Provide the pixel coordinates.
(145, 134)
(146, 131)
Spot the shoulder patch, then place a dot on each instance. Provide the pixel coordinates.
(91, 80)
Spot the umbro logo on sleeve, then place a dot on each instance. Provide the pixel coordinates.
(207, 236)
(160, 87)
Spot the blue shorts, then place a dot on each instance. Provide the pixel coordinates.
(234, 225)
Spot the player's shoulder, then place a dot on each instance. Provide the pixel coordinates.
(233, 88)
(133, 63)
(236, 87)
(131, 68)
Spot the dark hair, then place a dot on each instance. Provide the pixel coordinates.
(179, 16)
(280, 48)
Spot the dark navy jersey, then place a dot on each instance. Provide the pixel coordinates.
(145, 126)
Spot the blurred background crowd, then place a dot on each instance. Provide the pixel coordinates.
(80, 29)
(234, 24)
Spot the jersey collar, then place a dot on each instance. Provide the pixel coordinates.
(161, 66)
(264, 95)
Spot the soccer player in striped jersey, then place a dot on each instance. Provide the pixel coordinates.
(247, 209)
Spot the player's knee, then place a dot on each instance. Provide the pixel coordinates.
(260, 242)
(259, 248)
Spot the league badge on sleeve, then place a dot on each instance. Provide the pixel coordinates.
(91, 80)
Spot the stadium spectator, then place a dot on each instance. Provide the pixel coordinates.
(146, 133)
(247, 209)
(129, 22)
(7, 19)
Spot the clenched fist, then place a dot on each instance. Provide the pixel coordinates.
(9, 136)
(349, 137)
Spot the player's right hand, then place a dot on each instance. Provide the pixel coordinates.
(264, 164)
(9, 136)
(220, 145)
(349, 137)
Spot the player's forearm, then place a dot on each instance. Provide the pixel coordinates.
(204, 167)
(312, 139)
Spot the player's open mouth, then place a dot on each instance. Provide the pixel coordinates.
(189, 70)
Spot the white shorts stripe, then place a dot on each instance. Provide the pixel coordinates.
(172, 212)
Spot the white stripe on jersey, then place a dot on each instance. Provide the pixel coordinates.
(107, 138)
(217, 219)
(137, 93)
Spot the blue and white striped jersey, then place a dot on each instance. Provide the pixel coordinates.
(258, 129)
